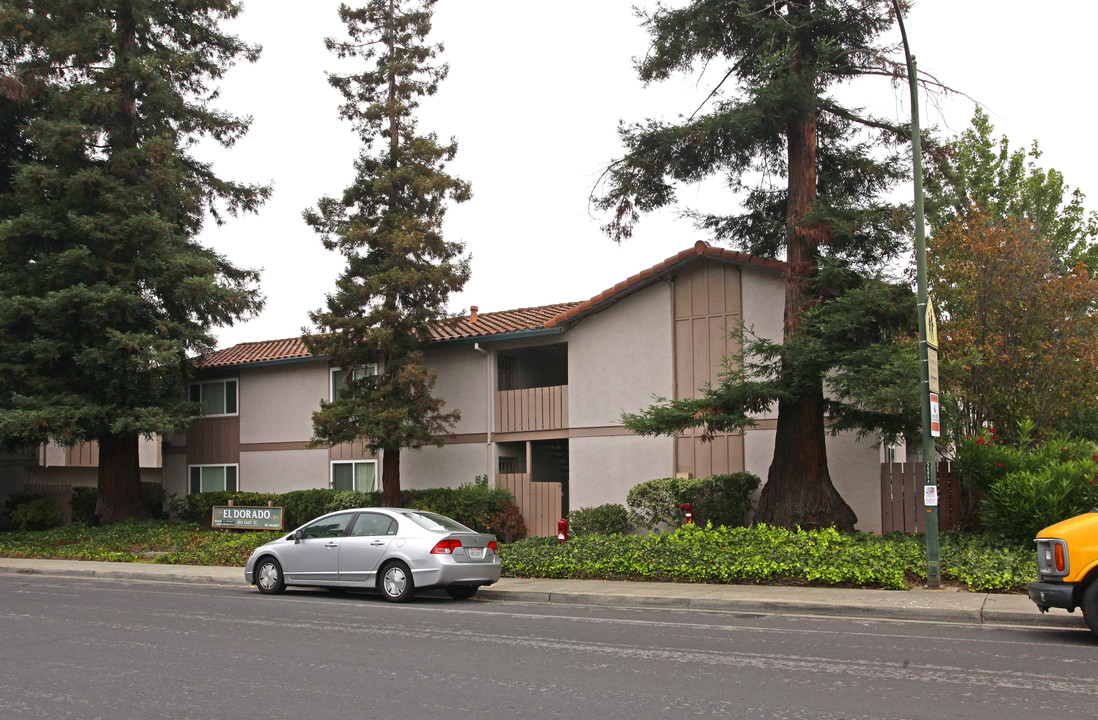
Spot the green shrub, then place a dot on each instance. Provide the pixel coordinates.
(83, 503)
(1029, 486)
(34, 511)
(722, 500)
(601, 520)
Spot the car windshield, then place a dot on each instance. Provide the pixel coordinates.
(438, 523)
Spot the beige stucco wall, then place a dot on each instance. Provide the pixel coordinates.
(763, 302)
(619, 358)
(463, 382)
(448, 466)
(279, 471)
(854, 467)
(603, 469)
(277, 402)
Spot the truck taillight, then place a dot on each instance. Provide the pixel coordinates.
(446, 547)
(1058, 553)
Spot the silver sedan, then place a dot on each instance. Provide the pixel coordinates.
(391, 550)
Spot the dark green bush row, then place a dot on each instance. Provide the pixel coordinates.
(601, 520)
(84, 499)
(769, 555)
(33, 511)
(482, 508)
(720, 500)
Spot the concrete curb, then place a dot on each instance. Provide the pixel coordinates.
(948, 606)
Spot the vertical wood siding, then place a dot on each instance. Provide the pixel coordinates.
(540, 502)
(82, 455)
(544, 408)
(707, 311)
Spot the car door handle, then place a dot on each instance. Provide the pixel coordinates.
(378, 543)
(332, 545)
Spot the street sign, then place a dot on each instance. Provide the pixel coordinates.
(932, 368)
(935, 416)
(931, 325)
(241, 517)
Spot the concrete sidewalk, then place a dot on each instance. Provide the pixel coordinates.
(946, 605)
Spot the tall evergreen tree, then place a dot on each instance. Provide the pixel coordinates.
(104, 291)
(811, 172)
(388, 224)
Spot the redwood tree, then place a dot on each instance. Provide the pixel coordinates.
(810, 173)
(388, 224)
(104, 291)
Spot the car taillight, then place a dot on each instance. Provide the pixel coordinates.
(493, 547)
(1058, 554)
(446, 547)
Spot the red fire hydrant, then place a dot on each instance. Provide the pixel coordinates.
(688, 510)
(562, 530)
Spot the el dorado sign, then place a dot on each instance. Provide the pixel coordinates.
(240, 517)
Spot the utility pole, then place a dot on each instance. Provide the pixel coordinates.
(928, 334)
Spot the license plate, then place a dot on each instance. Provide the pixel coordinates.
(476, 553)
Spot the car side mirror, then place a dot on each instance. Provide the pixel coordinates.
(298, 534)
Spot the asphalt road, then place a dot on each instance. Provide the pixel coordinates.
(79, 648)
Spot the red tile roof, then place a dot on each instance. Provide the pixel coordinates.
(486, 325)
(498, 323)
(493, 324)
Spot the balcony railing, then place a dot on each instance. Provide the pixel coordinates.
(544, 408)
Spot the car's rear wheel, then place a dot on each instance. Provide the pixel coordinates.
(1090, 606)
(268, 576)
(462, 592)
(396, 582)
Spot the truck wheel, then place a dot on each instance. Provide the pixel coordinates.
(1090, 606)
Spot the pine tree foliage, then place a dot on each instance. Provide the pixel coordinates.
(388, 224)
(811, 176)
(104, 291)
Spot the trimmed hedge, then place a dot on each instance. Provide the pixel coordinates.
(34, 511)
(720, 500)
(602, 520)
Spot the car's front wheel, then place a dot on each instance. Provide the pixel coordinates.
(396, 582)
(268, 576)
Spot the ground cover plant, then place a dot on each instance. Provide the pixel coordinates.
(758, 555)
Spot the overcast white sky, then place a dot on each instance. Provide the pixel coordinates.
(534, 97)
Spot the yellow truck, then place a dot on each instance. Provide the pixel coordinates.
(1067, 565)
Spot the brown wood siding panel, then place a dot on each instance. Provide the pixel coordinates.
(720, 456)
(684, 360)
(539, 502)
(350, 451)
(214, 441)
(532, 409)
(83, 455)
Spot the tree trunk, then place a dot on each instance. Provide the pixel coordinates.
(390, 478)
(798, 490)
(119, 495)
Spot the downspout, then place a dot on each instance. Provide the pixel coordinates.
(489, 406)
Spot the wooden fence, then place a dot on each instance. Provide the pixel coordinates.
(540, 502)
(902, 508)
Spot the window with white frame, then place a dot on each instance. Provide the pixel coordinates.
(359, 475)
(213, 478)
(339, 378)
(218, 397)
